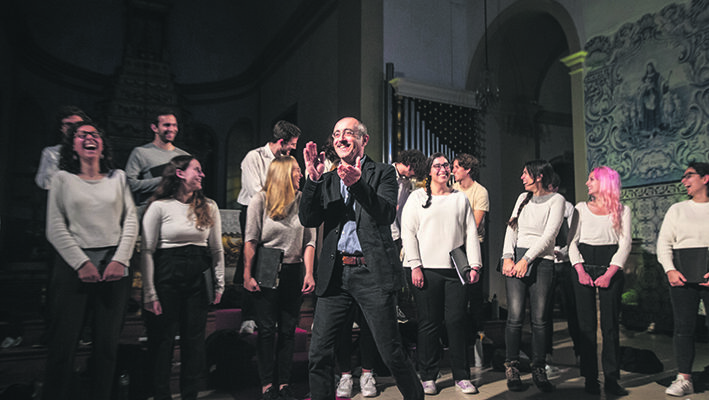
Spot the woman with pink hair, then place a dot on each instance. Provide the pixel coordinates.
(599, 248)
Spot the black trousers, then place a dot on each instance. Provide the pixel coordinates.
(441, 300)
(180, 287)
(69, 300)
(277, 312)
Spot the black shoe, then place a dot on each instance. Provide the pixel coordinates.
(285, 394)
(592, 386)
(270, 394)
(539, 376)
(514, 383)
(612, 387)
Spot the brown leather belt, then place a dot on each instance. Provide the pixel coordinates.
(352, 260)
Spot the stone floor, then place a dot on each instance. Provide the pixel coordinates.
(569, 385)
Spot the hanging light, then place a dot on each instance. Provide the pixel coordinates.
(487, 95)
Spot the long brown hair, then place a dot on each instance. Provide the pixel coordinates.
(170, 183)
(535, 168)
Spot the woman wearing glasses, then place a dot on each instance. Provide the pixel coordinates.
(435, 221)
(182, 242)
(684, 230)
(600, 245)
(92, 224)
(528, 264)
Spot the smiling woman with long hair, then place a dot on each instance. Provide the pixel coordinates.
(92, 224)
(272, 222)
(685, 229)
(435, 221)
(182, 238)
(598, 250)
(528, 264)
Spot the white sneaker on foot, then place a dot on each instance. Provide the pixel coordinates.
(344, 386)
(367, 385)
(429, 387)
(680, 387)
(465, 386)
(247, 327)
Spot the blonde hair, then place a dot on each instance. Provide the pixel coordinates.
(279, 189)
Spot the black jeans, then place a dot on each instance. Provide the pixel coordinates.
(277, 312)
(564, 275)
(609, 302)
(685, 302)
(367, 348)
(538, 285)
(69, 299)
(379, 309)
(180, 287)
(441, 299)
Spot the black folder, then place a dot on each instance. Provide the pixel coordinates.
(268, 267)
(519, 253)
(460, 262)
(693, 263)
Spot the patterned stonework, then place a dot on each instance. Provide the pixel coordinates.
(647, 95)
(648, 205)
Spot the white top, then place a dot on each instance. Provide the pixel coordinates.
(429, 234)
(537, 226)
(168, 224)
(287, 234)
(685, 226)
(48, 166)
(479, 200)
(253, 172)
(597, 230)
(561, 254)
(88, 214)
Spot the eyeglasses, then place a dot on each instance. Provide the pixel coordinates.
(348, 133)
(84, 134)
(439, 166)
(688, 174)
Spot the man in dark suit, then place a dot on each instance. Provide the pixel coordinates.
(359, 262)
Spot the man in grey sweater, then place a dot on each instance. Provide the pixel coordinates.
(146, 163)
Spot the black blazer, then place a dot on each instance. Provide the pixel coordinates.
(375, 209)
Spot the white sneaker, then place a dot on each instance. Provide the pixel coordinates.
(429, 387)
(680, 387)
(344, 386)
(466, 386)
(367, 385)
(247, 327)
(552, 371)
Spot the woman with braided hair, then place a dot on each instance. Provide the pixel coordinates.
(435, 221)
(528, 264)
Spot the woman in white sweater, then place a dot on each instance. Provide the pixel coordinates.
(435, 221)
(92, 224)
(528, 264)
(182, 240)
(272, 222)
(599, 246)
(684, 229)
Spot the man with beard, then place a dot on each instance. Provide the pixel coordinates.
(146, 163)
(359, 262)
(253, 176)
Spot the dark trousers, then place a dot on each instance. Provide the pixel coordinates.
(609, 301)
(442, 299)
(277, 311)
(564, 276)
(358, 285)
(180, 287)
(685, 303)
(538, 286)
(69, 299)
(367, 348)
(247, 298)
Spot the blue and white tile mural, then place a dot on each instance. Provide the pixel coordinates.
(647, 95)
